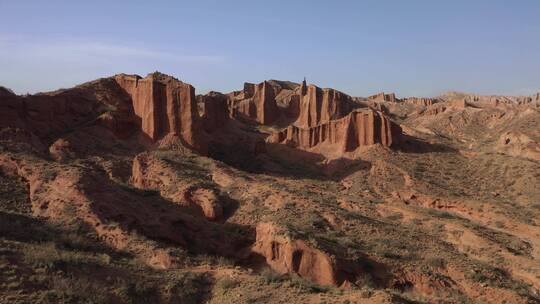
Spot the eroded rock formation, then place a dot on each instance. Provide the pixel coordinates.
(319, 106)
(256, 102)
(164, 105)
(361, 127)
(286, 255)
(152, 173)
(215, 112)
(384, 97)
(54, 113)
(518, 144)
(420, 101)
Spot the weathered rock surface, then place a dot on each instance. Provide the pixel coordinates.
(318, 106)
(286, 255)
(419, 101)
(256, 102)
(215, 111)
(384, 97)
(151, 173)
(164, 105)
(361, 127)
(50, 114)
(518, 144)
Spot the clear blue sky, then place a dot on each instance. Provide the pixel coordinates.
(409, 47)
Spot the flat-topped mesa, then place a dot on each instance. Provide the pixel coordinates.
(361, 127)
(164, 105)
(319, 106)
(256, 102)
(383, 97)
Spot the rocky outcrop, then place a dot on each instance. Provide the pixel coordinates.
(285, 255)
(419, 101)
(384, 97)
(158, 105)
(164, 105)
(50, 114)
(151, 173)
(361, 127)
(215, 112)
(318, 106)
(459, 103)
(207, 200)
(257, 102)
(518, 144)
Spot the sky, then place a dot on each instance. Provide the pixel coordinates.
(410, 47)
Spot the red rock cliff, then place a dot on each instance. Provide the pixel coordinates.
(216, 113)
(322, 105)
(285, 255)
(256, 102)
(384, 97)
(362, 127)
(164, 105)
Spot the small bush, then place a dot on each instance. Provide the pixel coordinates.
(308, 286)
(227, 283)
(270, 276)
(435, 262)
(75, 290)
(187, 288)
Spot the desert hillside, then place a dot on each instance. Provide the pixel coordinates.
(137, 190)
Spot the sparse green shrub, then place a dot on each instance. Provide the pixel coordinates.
(435, 262)
(226, 283)
(187, 287)
(69, 289)
(270, 276)
(308, 286)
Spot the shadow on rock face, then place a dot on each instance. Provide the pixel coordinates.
(274, 248)
(281, 160)
(148, 214)
(409, 144)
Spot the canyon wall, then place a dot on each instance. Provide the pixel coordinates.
(384, 97)
(362, 127)
(257, 102)
(321, 106)
(164, 105)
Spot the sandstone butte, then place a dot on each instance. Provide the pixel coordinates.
(164, 105)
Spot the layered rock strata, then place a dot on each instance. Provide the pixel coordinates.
(319, 106)
(361, 127)
(164, 105)
(256, 102)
